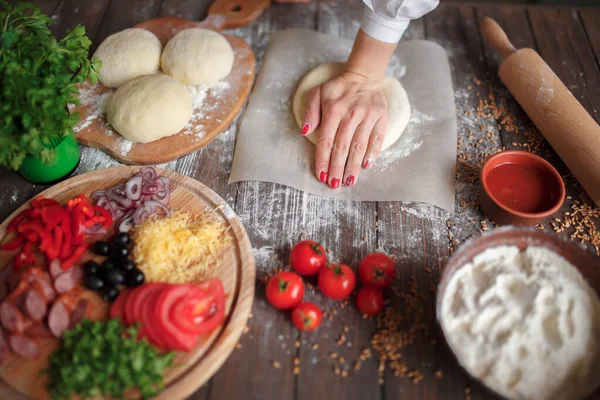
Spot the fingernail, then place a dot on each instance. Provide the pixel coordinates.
(305, 129)
(323, 177)
(350, 180)
(335, 183)
(367, 163)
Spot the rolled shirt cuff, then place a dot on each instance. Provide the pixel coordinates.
(383, 29)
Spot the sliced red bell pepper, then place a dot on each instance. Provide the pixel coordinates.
(13, 244)
(75, 256)
(77, 225)
(42, 202)
(53, 250)
(95, 220)
(16, 221)
(66, 247)
(108, 220)
(32, 226)
(52, 216)
(31, 236)
(28, 257)
(18, 262)
(79, 200)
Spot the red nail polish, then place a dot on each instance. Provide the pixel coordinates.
(350, 180)
(367, 163)
(323, 177)
(335, 183)
(305, 129)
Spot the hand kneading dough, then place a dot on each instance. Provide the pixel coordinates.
(197, 57)
(150, 107)
(128, 54)
(397, 100)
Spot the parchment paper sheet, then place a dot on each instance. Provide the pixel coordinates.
(419, 167)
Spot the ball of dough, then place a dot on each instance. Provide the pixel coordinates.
(397, 100)
(197, 57)
(150, 107)
(128, 54)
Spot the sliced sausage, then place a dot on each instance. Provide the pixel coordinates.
(44, 288)
(56, 269)
(24, 346)
(79, 312)
(18, 289)
(35, 305)
(11, 317)
(38, 329)
(58, 318)
(68, 280)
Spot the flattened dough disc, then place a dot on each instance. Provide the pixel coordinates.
(397, 99)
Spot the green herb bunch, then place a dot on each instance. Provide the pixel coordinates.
(38, 77)
(103, 358)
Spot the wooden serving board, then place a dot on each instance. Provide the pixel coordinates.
(22, 378)
(222, 103)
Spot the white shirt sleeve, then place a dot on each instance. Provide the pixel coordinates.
(386, 20)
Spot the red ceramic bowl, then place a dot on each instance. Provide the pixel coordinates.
(520, 188)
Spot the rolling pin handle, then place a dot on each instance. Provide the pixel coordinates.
(493, 33)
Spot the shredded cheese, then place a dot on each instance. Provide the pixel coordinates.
(179, 249)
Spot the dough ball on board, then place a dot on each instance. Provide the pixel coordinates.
(397, 100)
(128, 54)
(197, 57)
(149, 108)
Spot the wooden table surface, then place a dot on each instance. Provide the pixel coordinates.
(421, 237)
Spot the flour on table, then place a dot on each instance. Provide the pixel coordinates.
(97, 106)
(201, 109)
(526, 323)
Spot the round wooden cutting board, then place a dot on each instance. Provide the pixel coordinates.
(211, 116)
(235, 267)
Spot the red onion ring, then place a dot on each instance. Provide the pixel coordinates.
(131, 203)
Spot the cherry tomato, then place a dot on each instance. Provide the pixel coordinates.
(377, 270)
(369, 300)
(307, 316)
(285, 290)
(337, 281)
(308, 257)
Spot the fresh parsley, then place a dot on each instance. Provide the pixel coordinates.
(38, 77)
(103, 358)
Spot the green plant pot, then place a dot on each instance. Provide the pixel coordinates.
(64, 164)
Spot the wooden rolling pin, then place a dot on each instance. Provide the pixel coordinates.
(563, 121)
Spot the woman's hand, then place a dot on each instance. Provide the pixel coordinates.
(351, 113)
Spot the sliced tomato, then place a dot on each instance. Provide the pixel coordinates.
(163, 325)
(134, 303)
(202, 309)
(117, 310)
(146, 315)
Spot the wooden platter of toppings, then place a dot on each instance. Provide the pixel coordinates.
(231, 265)
(214, 106)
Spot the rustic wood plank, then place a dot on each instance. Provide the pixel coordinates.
(195, 10)
(47, 6)
(521, 134)
(590, 18)
(350, 235)
(273, 216)
(572, 59)
(455, 28)
(69, 13)
(568, 53)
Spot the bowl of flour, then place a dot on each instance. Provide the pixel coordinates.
(520, 311)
